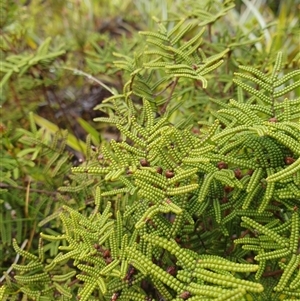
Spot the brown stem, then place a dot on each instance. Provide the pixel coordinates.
(3, 185)
(159, 93)
(164, 108)
(272, 273)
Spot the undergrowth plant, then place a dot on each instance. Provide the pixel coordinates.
(180, 211)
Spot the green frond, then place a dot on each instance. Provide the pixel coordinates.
(205, 69)
(156, 35)
(52, 237)
(162, 289)
(261, 82)
(150, 268)
(181, 54)
(205, 187)
(273, 254)
(286, 77)
(211, 132)
(150, 192)
(91, 170)
(159, 44)
(227, 177)
(217, 209)
(193, 44)
(270, 233)
(169, 206)
(134, 296)
(286, 172)
(63, 277)
(240, 116)
(247, 109)
(287, 89)
(295, 230)
(23, 253)
(112, 120)
(63, 290)
(31, 266)
(172, 247)
(153, 177)
(277, 66)
(235, 294)
(180, 32)
(160, 25)
(295, 284)
(259, 95)
(229, 132)
(287, 273)
(131, 136)
(259, 108)
(255, 179)
(136, 151)
(88, 288)
(115, 192)
(155, 215)
(267, 197)
(259, 75)
(181, 175)
(160, 54)
(2, 291)
(39, 278)
(227, 281)
(176, 27)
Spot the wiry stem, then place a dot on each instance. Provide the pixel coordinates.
(164, 108)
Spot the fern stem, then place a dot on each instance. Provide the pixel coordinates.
(164, 108)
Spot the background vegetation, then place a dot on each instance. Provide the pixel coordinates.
(60, 59)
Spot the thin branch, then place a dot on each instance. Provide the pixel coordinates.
(162, 91)
(174, 84)
(3, 185)
(15, 261)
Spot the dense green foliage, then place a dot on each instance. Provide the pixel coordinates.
(195, 197)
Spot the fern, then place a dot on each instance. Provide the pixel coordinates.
(176, 214)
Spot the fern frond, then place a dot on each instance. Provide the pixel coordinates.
(156, 35)
(287, 273)
(181, 32)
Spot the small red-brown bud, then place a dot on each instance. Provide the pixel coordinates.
(169, 174)
(273, 119)
(238, 173)
(159, 170)
(224, 200)
(171, 270)
(168, 201)
(228, 189)
(195, 130)
(289, 160)
(106, 253)
(108, 260)
(250, 172)
(185, 295)
(96, 246)
(129, 172)
(177, 239)
(144, 162)
(222, 165)
(250, 259)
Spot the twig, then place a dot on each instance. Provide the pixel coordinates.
(15, 261)
(162, 91)
(3, 185)
(163, 110)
